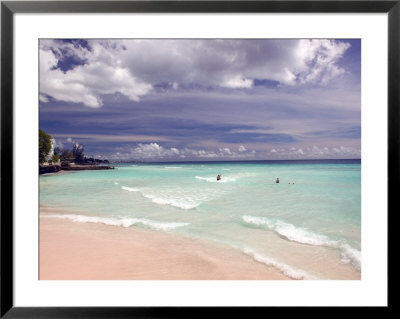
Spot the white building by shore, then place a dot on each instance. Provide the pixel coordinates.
(50, 155)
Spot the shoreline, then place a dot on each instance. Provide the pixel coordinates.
(93, 251)
(49, 169)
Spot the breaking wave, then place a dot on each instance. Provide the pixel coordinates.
(290, 231)
(130, 189)
(214, 179)
(284, 268)
(175, 202)
(351, 255)
(121, 222)
(303, 236)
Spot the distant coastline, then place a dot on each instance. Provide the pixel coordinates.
(55, 168)
(53, 159)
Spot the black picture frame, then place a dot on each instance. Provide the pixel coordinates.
(9, 8)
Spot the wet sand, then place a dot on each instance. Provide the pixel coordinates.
(89, 251)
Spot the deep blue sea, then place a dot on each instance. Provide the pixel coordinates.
(308, 225)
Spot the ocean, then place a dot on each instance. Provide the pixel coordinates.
(308, 226)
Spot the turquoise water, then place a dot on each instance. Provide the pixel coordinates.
(308, 226)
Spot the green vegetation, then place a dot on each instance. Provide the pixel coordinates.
(59, 159)
(78, 153)
(44, 146)
(55, 158)
(65, 156)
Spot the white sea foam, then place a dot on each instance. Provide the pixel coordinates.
(121, 222)
(214, 179)
(351, 255)
(300, 235)
(116, 183)
(162, 200)
(225, 179)
(291, 232)
(130, 189)
(175, 167)
(172, 201)
(284, 268)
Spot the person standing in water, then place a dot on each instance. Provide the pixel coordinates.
(218, 177)
(277, 180)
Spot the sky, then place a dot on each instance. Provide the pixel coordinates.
(203, 99)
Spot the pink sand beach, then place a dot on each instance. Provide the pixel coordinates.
(89, 251)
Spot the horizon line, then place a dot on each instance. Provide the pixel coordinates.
(224, 161)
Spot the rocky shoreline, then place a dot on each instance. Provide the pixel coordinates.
(45, 169)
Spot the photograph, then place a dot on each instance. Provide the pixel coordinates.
(199, 159)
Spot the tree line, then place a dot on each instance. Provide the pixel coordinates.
(77, 154)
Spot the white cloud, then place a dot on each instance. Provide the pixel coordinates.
(242, 148)
(133, 67)
(173, 149)
(225, 150)
(313, 152)
(43, 98)
(318, 60)
(86, 83)
(59, 144)
(149, 151)
(286, 77)
(154, 151)
(238, 82)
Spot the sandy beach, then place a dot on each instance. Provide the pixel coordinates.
(89, 251)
